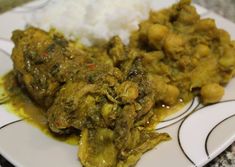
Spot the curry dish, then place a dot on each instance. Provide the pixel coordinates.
(110, 95)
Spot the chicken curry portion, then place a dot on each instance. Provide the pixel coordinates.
(110, 95)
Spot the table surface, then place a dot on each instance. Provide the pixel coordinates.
(226, 8)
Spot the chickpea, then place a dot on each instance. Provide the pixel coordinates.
(202, 50)
(172, 94)
(151, 57)
(188, 15)
(148, 58)
(128, 91)
(205, 25)
(232, 43)
(184, 62)
(163, 92)
(211, 93)
(158, 85)
(156, 34)
(143, 33)
(174, 44)
(228, 59)
(159, 17)
(223, 36)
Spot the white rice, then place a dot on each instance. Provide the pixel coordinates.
(92, 21)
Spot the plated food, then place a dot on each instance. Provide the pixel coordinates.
(113, 95)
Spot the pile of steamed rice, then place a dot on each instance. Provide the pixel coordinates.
(93, 21)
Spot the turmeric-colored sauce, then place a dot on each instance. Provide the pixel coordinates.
(19, 103)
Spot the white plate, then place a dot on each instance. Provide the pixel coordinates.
(197, 137)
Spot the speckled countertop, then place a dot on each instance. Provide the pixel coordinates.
(225, 8)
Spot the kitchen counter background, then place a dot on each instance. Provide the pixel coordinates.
(225, 8)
